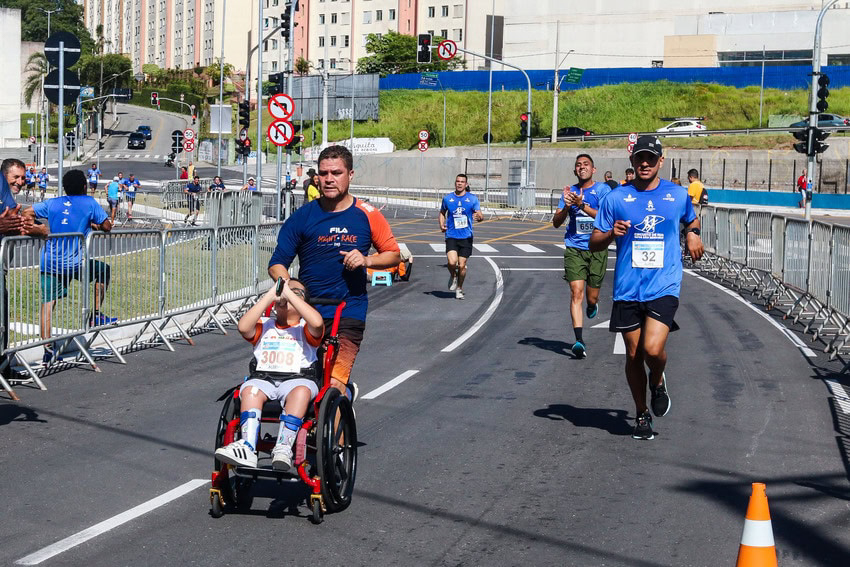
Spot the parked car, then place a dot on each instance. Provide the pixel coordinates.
(826, 119)
(573, 131)
(684, 125)
(146, 130)
(136, 141)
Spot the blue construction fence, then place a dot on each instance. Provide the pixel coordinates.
(780, 77)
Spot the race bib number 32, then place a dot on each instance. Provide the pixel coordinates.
(648, 254)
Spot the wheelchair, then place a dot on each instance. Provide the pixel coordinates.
(325, 452)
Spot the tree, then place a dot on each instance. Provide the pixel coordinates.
(34, 20)
(37, 69)
(302, 66)
(213, 71)
(89, 68)
(396, 53)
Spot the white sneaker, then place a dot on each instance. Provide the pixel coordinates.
(452, 283)
(459, 294)
(282, 457)
(237, 453)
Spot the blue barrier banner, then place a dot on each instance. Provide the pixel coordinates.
(779, 77)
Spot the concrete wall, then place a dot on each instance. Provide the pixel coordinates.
(755, 170)
(10, 62)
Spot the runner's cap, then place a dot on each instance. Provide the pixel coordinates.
(649, 144)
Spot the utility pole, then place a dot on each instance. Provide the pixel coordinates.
(259, 145)
(290, 84)
(556, 85)
(813, 109)
(221, 84)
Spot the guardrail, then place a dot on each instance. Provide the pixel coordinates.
(800, 268)
(183, 279)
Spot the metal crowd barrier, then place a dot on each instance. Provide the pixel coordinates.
(800, 268)
(187, 279)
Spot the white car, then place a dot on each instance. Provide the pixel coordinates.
(685, 126)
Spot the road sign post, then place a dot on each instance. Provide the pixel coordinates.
(63, 50)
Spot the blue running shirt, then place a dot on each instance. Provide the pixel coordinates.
(580, 225)
(71, 213)
(458, 211)
(649, 255)
(317, 237)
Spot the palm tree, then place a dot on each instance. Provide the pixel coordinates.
(37, 69)
(302, 66)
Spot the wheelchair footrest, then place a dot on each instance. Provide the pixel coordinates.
(263, 472)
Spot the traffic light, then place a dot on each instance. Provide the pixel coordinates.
(284, 23)
(818, 137)
(803, 146)
(245, 114)
(155, 99)
(524, 130)
(296, 138)
(423, 51)
(823, 92)
(276, 86)
(194, 118)
(240, 147)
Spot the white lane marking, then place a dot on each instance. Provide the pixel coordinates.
(564, 246)
(389, 385)
(529, 248)
(619, 344)
(403, 247)
(842, 400)
(484, 248)
(532, 269)
(497, 256)
(113, 522)
(438, 247)
(791, 337)
(487, 314)
(602, 325)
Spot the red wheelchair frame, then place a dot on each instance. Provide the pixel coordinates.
(328, 435)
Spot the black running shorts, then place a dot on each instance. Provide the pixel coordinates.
(630, 315)
(463, 246)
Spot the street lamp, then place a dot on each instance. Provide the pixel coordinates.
(46, 131)
(557, 88)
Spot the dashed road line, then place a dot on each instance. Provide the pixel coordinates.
(389, 385)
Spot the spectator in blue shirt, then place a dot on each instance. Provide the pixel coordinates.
(62, 258)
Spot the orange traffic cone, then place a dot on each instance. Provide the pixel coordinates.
(757, 548)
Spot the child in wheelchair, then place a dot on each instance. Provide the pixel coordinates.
(283, 368)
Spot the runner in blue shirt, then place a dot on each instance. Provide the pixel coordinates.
(578, 205)
(193, 196)
(332, 237)
(31, 179)
(43, 180)
(62, 258)
(644, 216)
(113, 195)
(458, 211)
(93, 174)
(131, 184)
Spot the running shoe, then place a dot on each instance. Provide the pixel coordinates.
(579, 350)
(452, 283)
(237, 453)
(281, 457)
(660, 398)
(643, 427)
(591, 311)
(459, 294)
(101, 319)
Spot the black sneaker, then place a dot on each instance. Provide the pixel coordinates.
(660, 398)
(643, 427)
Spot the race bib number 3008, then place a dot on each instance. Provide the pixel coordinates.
(648, 254)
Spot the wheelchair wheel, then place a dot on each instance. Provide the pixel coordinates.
(336, 451)
(234, 491)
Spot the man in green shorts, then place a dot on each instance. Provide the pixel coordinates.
(578, 205)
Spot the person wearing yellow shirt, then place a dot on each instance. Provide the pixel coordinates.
(312, 189)
(695, 187)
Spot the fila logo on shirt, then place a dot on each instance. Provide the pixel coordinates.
(338, 230)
